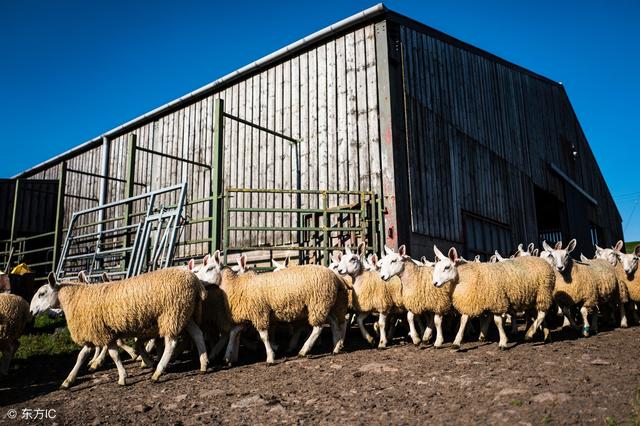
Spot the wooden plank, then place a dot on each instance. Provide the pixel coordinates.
(362, 129)
(372, 111)
(353, 165)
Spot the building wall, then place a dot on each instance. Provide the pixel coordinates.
(480, 134)
(325, 96)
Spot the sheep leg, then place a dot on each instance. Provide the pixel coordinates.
(128, 349)
(115, 356)
(419, 325)
(264, 336)
(463, 324)
(594, 321)
(585, 318)
(146, 359)
(392, 327)
(234, 339)
(514, 322)
(170, 344)
(634, 313)
(412, 328)
(96, 354)
(623, 316)
(338, 336)
(484, 328)
(82, 356)
(361, 317)
(534, 327)
(568, 318)
(97, 361)
(428, 330)
(295, 339)
(382, 325)
(7, 356)
(198, 338)
(437, 319)
(503, 335)
(217, 348)
(310, 341)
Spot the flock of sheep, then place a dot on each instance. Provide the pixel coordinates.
(213, 303)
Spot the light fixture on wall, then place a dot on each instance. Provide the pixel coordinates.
(574, 152)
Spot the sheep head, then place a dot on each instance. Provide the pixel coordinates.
(46, 297)
(557, 256)
(446, 267)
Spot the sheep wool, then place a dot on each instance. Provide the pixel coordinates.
(514, 284)
(576, 286)
(372, 294)
(14, 316)
(631, 283)
(419, 295)
(159, 303)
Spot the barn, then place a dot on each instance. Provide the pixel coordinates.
(377, 127)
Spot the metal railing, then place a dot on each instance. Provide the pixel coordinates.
(310, 225)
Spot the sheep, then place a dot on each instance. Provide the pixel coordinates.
(159, 303)
(513, 285)
(370, 293)
(280, 266)
(14, 316)
(310, 292)
(611, 256)
(418, 295)
(576, 283)
(627, 273)
(530, 251)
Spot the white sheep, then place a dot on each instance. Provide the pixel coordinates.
(498, 288)
(159, 303)
(419, 296)
(14, 316)
(627, 272)
(370, 293)
(309, 292)
(576, 283)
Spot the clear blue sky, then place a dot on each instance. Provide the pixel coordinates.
(71, 70)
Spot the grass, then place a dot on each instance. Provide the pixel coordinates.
(630, 246)
(46, 337)
(516, 402)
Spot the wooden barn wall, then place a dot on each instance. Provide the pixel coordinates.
(480, 134)
(326, 97)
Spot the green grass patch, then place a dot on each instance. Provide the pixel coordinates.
(47, 337)
(516, 402)
(630, 246)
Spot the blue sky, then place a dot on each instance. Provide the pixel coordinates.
(71, 70)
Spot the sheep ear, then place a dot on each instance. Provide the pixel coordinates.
(477, 258)
(286, 262)
(347, 249)
(206, 258)
(546, 246)
(531, 247)
(362, 248)
(275, 263)
(339, 256)
(438, 253)
(453, 254)
(619, 245)
(216, 257)
(242, 262)
(402, 250)
(558, 245)
(424, 260)
(51, 279)
(82, 277)
(373, 259)
(493, 259)
(583, 258)
(520, 247)
(636, 250)
(571, 246)
(388, 250)
(105, 277)
(191, 264)
(535, 252)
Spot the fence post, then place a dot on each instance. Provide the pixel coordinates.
(216, 174)
(62, 185)
(104, 186)
(14, 213)
(128, 189)
(326, 236)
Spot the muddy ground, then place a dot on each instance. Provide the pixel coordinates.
(571, 380)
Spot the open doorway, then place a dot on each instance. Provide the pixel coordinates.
(551, 216)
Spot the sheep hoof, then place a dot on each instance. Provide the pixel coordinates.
(64, 385)
(455, 347)
(155, 377)
(585, 331)
(122, 382)
(502, 348)
(438, 346)
(424, 344)
(528, 338)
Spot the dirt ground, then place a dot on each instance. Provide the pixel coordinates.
(571, 380)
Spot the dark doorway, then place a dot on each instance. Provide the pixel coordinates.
(551, 215)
